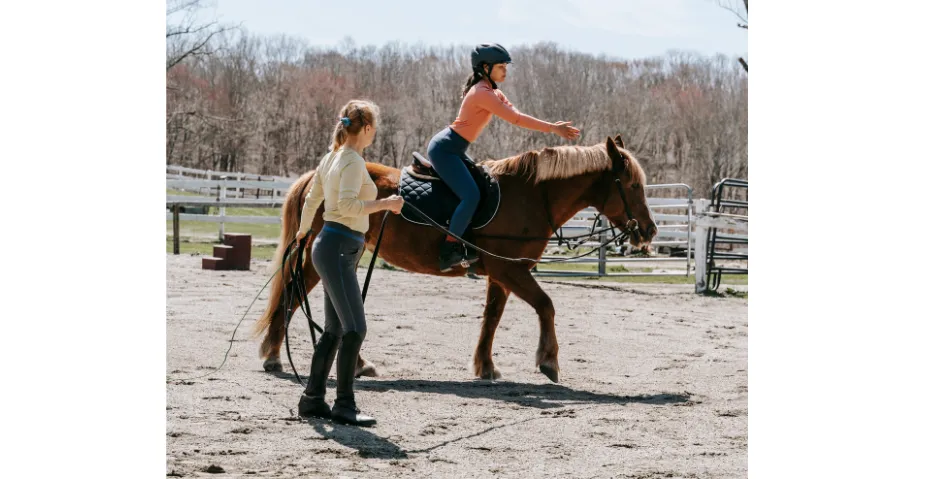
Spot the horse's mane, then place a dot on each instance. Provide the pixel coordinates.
(561, 162)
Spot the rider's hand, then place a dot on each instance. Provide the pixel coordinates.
(565, 130)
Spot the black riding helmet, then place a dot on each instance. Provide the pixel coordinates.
(490, 54)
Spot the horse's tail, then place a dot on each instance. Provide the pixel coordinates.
(290, 222)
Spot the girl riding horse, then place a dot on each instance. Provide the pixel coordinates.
(448, 148)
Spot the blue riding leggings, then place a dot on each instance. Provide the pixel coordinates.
(446, 151)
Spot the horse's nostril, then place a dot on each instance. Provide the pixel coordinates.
(651, 231)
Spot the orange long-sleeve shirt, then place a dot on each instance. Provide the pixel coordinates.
(479, 106)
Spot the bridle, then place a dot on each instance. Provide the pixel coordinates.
(631, 226)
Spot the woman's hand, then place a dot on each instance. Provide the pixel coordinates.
(394, 203)
(565, 130)
(301, 235)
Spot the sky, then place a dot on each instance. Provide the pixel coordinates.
(626, 29)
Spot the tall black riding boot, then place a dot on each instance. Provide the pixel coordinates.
(344, 409)
(313, 402)
(451, 255)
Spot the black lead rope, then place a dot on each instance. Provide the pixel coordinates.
(298, 287)
(375, 254)
(295, 286)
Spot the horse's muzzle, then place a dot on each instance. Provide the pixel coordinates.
(651, 233)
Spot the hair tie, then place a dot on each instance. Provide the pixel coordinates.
(345, 121)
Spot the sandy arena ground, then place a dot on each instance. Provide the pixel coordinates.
(653, 384)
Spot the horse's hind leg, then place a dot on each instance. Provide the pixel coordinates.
(523, 285)
(365, 368)
(271, 345)
(275, 336)
(496, 296)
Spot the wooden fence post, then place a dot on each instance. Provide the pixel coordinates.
(222, 188)
(176, 229)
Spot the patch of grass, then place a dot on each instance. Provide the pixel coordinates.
(728, 292)
(735, 293)
(739, 279)
(173, 192)
(262, 252)
(619, 268)
(592, 267)
(736, 279)
(209, 230)
(232, 211)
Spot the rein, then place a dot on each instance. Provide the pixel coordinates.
(559, 235)
(631, 226)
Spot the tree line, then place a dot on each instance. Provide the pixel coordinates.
(268, 105)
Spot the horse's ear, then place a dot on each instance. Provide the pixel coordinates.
(615, 157)
(619, 141)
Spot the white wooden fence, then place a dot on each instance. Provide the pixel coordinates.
(226, 185)
(675, 229)
(682, 222)
(181, 172)
(187, 179)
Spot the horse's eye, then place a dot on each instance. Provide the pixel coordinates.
(635, 186)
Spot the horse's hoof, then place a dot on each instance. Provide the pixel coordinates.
(491, 375)
(367, 370)
(273, 366)
(550, 371)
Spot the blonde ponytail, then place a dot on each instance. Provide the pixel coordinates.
(352, 117)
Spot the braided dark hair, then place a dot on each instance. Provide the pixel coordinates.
(478, 75)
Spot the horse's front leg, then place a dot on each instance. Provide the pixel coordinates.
(496, 296)
(521, 283)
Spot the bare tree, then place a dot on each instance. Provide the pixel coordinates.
(185, 35)
(268, 105)
(742, 16)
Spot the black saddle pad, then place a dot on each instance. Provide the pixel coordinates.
(421, 187)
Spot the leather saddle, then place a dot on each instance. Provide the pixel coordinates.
(421, 186)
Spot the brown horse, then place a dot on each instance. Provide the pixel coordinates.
(539, 189)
